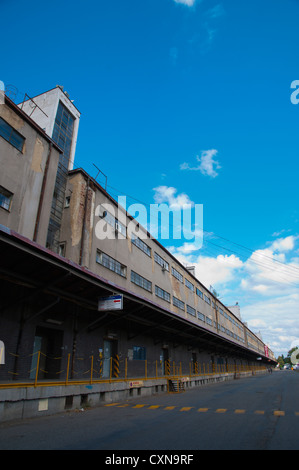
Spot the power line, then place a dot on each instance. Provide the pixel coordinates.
(290, 269)
(286, 269)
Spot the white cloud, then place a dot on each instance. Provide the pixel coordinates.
(207, 164)
(265, 285)
(267, 270)
(277, 320)
(284, 244)
(189, 3)
(166, 194)
(209, 271)
(216, 12)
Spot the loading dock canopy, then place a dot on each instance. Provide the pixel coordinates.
(51, 278)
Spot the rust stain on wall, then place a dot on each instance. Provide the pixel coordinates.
(37, 157)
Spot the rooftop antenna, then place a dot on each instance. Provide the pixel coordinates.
(99, 171)
(33, 105)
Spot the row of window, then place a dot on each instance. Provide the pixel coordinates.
(144, 283)
(110, 219)
(218, 326)
(115, 266)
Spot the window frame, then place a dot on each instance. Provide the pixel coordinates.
(144, 283)
(119, 268)
(9, 137)
(178, 303)
(164, 294)
(8, 196)
(141, 245)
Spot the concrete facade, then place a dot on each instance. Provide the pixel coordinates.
(28, 175)
(83, 243)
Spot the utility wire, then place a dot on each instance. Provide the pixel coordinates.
(285, 269)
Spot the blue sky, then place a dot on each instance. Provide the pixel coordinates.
(190, 95)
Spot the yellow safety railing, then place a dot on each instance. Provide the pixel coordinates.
(93, 369)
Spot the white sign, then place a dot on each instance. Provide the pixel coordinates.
(136, 383)
(114, 302)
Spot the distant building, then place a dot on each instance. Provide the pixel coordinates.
(235, 309)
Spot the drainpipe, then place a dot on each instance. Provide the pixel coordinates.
(84, 223)
(42, 193)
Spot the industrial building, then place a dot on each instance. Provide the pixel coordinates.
(90, 317)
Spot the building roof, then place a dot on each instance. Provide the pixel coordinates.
(55, 88)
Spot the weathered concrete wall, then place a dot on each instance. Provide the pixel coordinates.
(22, 174)
(27, 402)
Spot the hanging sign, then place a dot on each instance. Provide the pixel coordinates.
(114, 302)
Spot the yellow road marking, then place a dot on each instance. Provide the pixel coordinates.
(200, 410)
(279, 413)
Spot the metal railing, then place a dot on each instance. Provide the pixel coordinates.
(45, 370)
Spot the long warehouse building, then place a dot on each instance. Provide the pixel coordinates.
(76, 304)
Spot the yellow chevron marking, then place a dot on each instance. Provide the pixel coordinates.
(279, 413)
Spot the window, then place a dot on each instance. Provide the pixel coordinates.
(141, 281)
(189, 285)
(209, 321)
(200, 316)
(5, 198)
(61, 249)
(139, 353)
(161, 261)
(207, 300)
(162, 293)
(115, 223)
(191, 311)
(141, 245)
(176, 274)
(63, 132)
(11, 135)
(178, 303)
(111, 263)
(199, 293)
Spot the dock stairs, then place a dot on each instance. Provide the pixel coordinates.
(176, 386)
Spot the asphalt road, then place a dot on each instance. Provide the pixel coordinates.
(256, 413)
